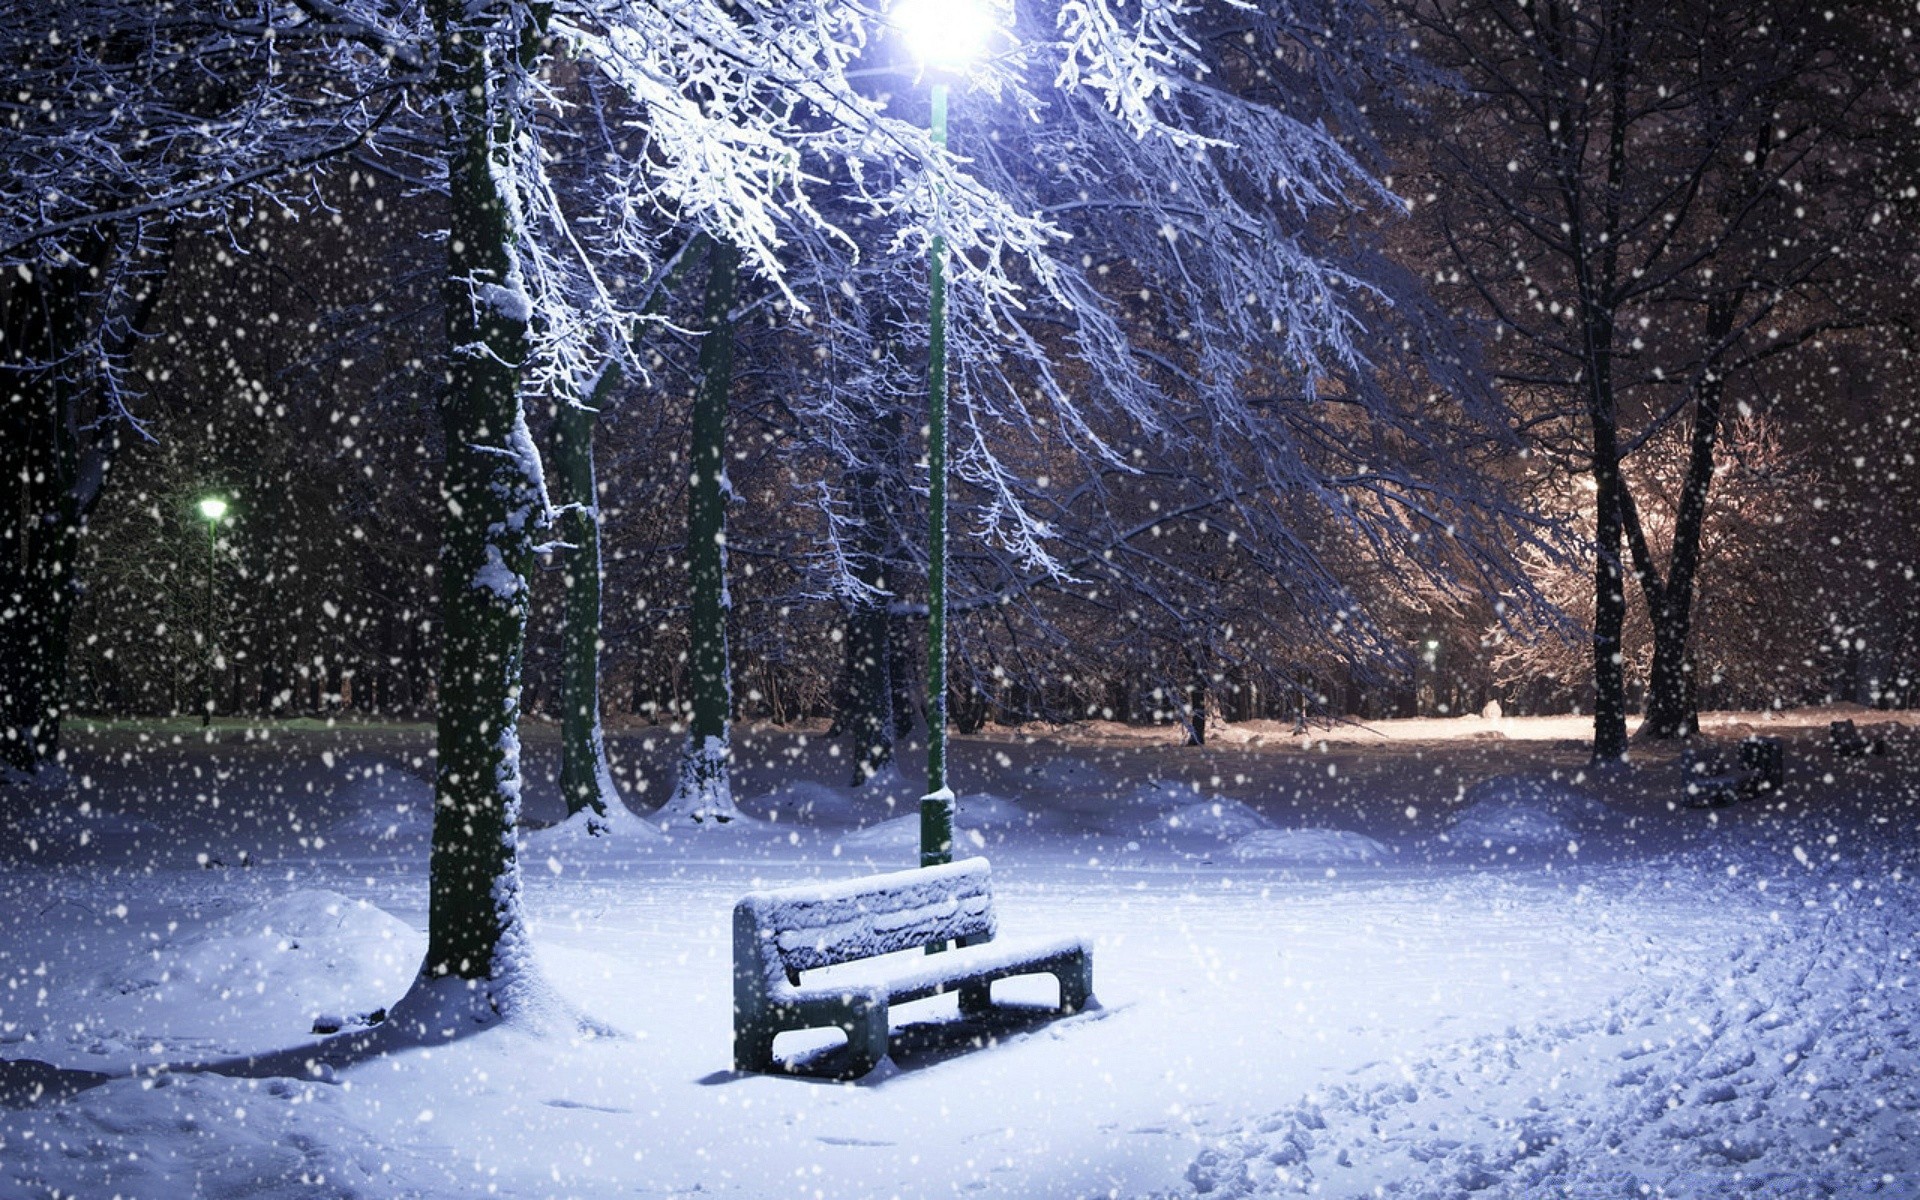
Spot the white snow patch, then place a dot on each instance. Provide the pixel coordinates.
(1527, 810)
(1310, 847)
(202, 1135)
(589, 833)
(1217, 817)
(807, 801)
(497, 577)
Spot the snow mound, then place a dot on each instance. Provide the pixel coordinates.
(890, 791)
(888, 795)
(1159, 796)
(1118, 811)
(1216, 817)
(974, 818)
(588, 833)
(1309, 847)
(267, 970)
(1527, 810)
(805, 800)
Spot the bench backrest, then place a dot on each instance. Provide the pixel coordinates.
(799, 929)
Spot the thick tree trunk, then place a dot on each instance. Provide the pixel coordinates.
(1673, 706)
(704, 792)
(53, 482)
(475, 928)
(586, 781)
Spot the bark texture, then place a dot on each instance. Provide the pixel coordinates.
(474, 923)
(703, 791)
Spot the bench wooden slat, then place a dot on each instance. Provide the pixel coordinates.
(933, 974)
(821, 926)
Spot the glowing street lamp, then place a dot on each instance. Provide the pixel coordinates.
(212, 508)
(945, 35)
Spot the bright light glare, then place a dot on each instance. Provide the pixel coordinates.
(944, 34)
(213, 508)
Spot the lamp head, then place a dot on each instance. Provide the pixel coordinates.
(945, 35)
(213, 508)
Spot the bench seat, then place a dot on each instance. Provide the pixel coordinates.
(935, 974)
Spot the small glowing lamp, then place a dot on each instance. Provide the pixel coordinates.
(213, 508)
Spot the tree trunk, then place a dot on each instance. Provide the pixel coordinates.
(1609, 586)
(475, 927)
(703, 791)
(1672, 700)
(869, 717)
(1596, 265)
(874, 705)
(1197, 712)
(54, 478)
(586, 781)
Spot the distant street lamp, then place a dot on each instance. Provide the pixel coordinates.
(1430, 655)
(213, 508)
(945, 35)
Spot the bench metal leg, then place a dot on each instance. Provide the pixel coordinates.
(753, 1048)
(866, 1031)
(1076, 983)
(976, 999)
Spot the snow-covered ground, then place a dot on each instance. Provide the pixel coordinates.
(1421, 959)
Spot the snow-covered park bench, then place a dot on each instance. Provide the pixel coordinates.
(777, 935)
(1712, 778)
(1848, 742)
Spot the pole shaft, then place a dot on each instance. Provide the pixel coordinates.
(206, 714)
(936, 809)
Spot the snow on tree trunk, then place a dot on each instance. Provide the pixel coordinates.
(702, 792)
(476, 931)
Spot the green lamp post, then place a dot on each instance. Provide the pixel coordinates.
(945, 35)
(212, 509)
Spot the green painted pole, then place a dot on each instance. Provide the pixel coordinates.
(213, 537)
(936, 807)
